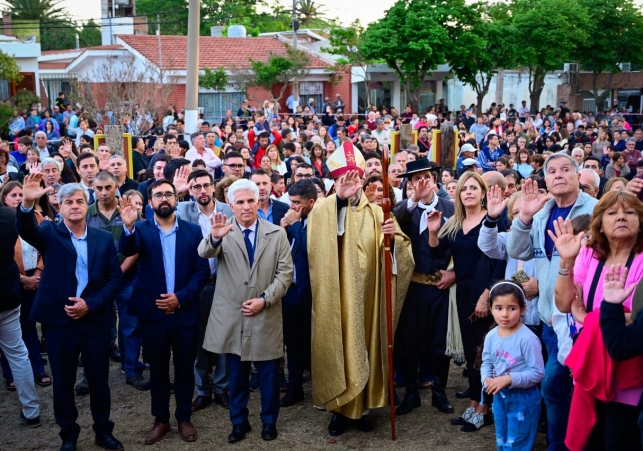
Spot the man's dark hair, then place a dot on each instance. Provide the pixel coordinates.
(162, 157)
(290, 146)
(509, 173)
(274, 178)
(105, 176)
(135, 140)
(285, 132)
(371, 155)
(200, 173)
(156, 183)
(171, 167)
(259, 172)
(205, 123)
(183, 144)
(232, 154)
(319, 183)
(168, 137)
(84, 156)
(540, 182)
(304, 188)
(342, 129)
(423, 127)
(305, 166)
(593, 158)
(510, 133)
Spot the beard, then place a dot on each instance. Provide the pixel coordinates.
(164, 211)
(204, 201)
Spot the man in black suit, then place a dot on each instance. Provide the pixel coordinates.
(73, 304)
(165, 299)
(297, 303)
(269, 209)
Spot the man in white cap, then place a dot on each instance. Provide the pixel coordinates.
(348, 377)
(467, 152)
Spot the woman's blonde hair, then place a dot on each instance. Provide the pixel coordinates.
(510, 204)
(271, 147)
(451, 227)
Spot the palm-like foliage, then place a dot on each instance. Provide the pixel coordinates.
(310, 11)
(42, 10)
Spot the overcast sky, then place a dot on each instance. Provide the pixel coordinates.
(347, 11)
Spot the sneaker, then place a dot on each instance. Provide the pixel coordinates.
(30, 423)
(254, 382)
(138, 382)
(82, 388)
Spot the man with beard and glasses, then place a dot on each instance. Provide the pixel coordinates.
(166, 290)
(200, 213)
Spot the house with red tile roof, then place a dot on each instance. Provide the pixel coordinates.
(168, 55)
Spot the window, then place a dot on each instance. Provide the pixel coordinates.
(312, 90)
(215, 104)
(4, 90)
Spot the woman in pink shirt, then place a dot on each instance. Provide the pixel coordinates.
(615, 239)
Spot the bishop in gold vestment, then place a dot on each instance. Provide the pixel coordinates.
(349, 340)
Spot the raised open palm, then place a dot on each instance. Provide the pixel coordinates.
(421, 189)
(614, 290)
(495, 202)
(434, 221)
(567, 244)
(532, 202)
(348, 185)
(31, 188)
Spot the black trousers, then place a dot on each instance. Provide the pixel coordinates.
(616, 428)
(64, 345)
(422, 331)
(296, 313)
(473, 334)
(163, 339)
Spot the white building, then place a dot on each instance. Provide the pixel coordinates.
(26, 53)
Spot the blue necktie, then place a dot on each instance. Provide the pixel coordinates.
(92, 199)
(249, 247)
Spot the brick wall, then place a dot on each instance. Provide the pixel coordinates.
(625, 80)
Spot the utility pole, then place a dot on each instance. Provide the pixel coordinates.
(158, 41)
(295, 27)
(192, 73)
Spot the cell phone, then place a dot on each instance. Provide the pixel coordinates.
(520, 277)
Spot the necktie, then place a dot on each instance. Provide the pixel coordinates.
(249, 247)
(91, 196)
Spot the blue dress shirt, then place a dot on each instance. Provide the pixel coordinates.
(82, 261)
(265, 217)
(168, 246)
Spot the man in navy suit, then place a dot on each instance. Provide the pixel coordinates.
(74, 304)
(165, 298)
(297, 303)
(269, 209)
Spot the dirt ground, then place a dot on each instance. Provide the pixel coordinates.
(300, 427)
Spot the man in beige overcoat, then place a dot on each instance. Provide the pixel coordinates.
(255, 271)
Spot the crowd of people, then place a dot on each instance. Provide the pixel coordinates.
(250, 255)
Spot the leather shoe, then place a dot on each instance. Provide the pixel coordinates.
(187, 431)
(223, 399)
(108, 441)
(200, 403)
(138, 382)
(365, 424)
(68, 445)
(439, 400)
(239, 432)
(293, 396)
(411, 401)
(269, 432)
(115, 354)
(338, 424)
(466, 394)
(157, 433)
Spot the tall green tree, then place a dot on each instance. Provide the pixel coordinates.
(485, 45)
(347, 44)
(9, 68)
(58, 34)
(90, 35)
(411, 39)
(616, 38)
(309, 11)
(280, 70)
(28, 15)
(550, 33)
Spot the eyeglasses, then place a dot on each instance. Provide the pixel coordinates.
(168, 195)
(234, 166)
(585, 187)
(204, 186)
(395, 171)
(304, 176)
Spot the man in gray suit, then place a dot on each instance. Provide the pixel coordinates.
(202, 188)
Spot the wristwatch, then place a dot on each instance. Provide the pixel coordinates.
(265, 303)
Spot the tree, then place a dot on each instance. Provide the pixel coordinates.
(9, 68)
(550, 33)
(477, 52)
(615, 39)
(411, 39)
(58, 34)
(309, 12)
(347, 44)
(90, 35)
(280, 70)
(122, 84)
(28, 16)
